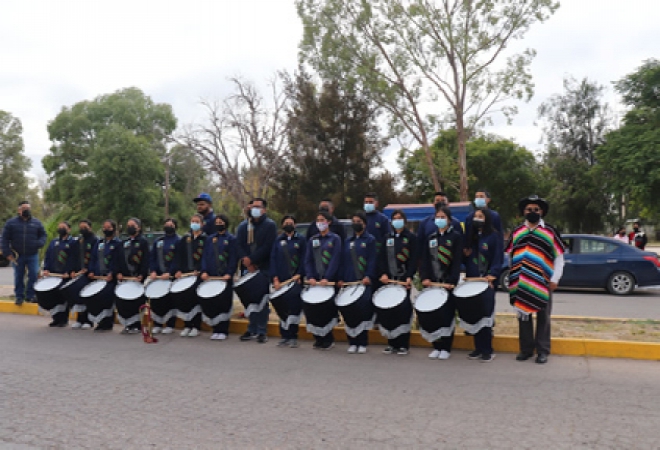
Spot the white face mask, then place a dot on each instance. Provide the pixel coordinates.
(322, 226)
(255, 212)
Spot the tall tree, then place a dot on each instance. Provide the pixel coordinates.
(13, 165)
(105, 160)
(334, 144)
(403, 53)
(576, 121)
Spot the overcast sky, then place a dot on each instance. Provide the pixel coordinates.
(56, 53)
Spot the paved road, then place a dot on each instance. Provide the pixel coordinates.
(76, 389)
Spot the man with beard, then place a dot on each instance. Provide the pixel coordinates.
(204, 207)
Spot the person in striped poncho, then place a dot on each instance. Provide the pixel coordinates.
(537, 264)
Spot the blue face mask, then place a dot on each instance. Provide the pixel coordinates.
(398, 224)
(440, 223)
(195, 226)
(369, 207)
(480, 202)
(255, 213)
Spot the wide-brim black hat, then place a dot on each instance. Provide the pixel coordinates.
(535, 199)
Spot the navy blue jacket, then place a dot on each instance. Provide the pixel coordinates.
(83, 256)
(182, 260)
(330, 245)
(335, 227)
(109, 248)
(60, 256)
(448, 248)
(496, 222)
(24, 236)
(378, 225)
(168, 245)
(365, 250)
(278, 263)
(427, 227)
(208, 226)
(138, 257)
(488, 248)
(406, 254)
(227, 251)
(265, 232)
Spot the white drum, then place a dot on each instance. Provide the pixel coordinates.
(93, 288)
(350, 295)
(129, 290)
(211, 288)
(157, 289)
(182, 284)
(47, 284)
(470, 289)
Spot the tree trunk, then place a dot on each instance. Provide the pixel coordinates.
(429, 161)
(462, 158)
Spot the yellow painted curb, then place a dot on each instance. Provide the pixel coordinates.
(502, 344)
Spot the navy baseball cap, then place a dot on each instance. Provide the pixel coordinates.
(203, 197)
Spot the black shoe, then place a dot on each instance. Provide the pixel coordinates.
(317, 345)
(53, 324)
(487, 357)
(99, 329)
(474, 355)
(61, 324)
(247, 336)
(18, 302)
(31, 300)
(523, 356)
(262, 338)
(542, 358)
(327, 345)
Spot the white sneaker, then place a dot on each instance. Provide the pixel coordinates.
(185, 332)
(214, 336)
(352, 349)
(434, 354)
(194, 332)
(362, 349)
(76, 325)
(221, 336)
(86, 326)
(444, 354)
(156, 330)
(168, 330)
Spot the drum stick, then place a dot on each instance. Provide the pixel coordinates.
(442, 285)
(99, 277)
(352, 283)
(318, 283)
(57, 275)
(476, 279)
(216, 278)
(293, 278)
(402, 283)
(188, 274)
(130, 279)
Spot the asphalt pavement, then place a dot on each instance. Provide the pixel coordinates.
(66, 389)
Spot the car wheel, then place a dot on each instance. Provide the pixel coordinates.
(620, 283)
(504, 280)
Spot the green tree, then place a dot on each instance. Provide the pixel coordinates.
(404, 53)
(106, 157)
(13, 165)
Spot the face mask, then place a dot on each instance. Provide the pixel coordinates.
(623, 233)
(62, 232)
(398, 224)
(108, 233)
(169, 230)
(255, 212)
(440, 203)
(440, 223)
(480, 202)
(288, 228)
(357, 227)
(195, 226)
(131, 230)
(26, 213)
(635, 229)
(85, 232)
(478, 223)
(369, 207)
(322, 226)
(221, 228)
(324, 208)
(532, 217)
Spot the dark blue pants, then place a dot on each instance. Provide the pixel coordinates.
(23, 263)
(361, 339)
(291, 333)
(403, 341)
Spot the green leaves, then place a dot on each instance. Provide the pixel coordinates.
(13, 165)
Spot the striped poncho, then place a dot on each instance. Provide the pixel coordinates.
(533, 253)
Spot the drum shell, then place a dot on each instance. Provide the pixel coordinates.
(161, 307)
(360, 310)
(222, 303)
(253, 291)
(50, 299)
(101, 302)
(288, 302)
(320, 314)
(392, 318)
(71, 293)
(186, 301)
(473, 309)
(128, 311)
(441, 317)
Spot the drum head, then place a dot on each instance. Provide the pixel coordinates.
(247, 277)
(349, 295)
(282, 290)
(470, 289)
(182, 284)
(47, 284)
(70, 282)
(129, 290)
(431, 299)
(389, 296)
(211, 288)
(158, 288)
(317, 294)
(93, 288)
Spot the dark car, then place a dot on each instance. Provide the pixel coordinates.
(601, 262)
(150, 236)
(3, 261)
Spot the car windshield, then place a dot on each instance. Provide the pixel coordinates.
(596, 246)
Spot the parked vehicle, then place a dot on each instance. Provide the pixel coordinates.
(302, 227)
(602, 262)
(3, 261)
(150, 236)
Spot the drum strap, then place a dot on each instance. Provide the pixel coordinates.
(435, 263)
(318, 260)
(482, 264)
(189, 253)
(392, 261)
(356, 268)
(101, 257)
(127, 256)
(222, 264)
(287, 257)
(81, 252)
(161, 256)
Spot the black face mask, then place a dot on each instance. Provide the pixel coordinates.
(324, 208)
(26, 213)
(62, 232)
(131, 230)
(623, 233)
(635, 229)
(288, 228)
(85, 232)
(533, 217)
(169, 230)
(478, 224)
(220, 228)
(358, 227)
(108, 233)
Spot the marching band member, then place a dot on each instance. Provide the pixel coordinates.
(286, 262)
(441, 263)
(84, 247)
(102, 264)
(161, 260)
(188, 260)
(59, 260)
(322, 259)
(359, 265)
(398, 262)
(220, 260)
(484, 261)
